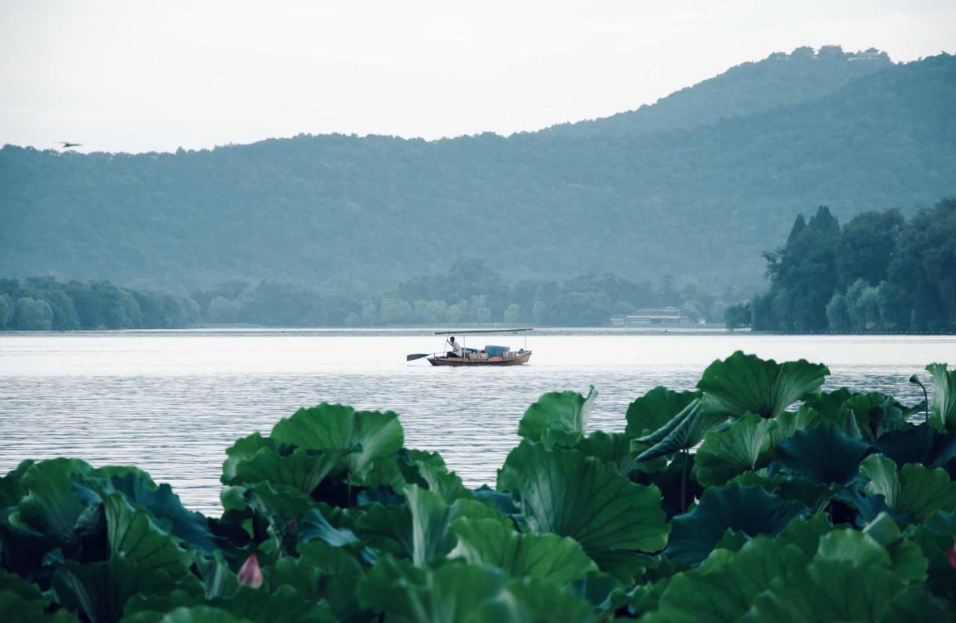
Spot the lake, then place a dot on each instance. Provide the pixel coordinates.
(170, 402)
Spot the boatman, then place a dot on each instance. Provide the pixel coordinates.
(454, 348)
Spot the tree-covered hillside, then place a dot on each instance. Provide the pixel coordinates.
(779, 80)
(348, 214)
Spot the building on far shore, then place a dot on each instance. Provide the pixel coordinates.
(654, 316)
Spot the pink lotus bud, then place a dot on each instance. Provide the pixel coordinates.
(250, 574)
(951, 556)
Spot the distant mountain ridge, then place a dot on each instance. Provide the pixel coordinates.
(779, 80)
(342, 213)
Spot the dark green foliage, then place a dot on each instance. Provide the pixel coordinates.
(45, 304)
(328, 518)
(880, 273)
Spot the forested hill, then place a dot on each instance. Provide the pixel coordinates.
(778, 80)
(343, 212)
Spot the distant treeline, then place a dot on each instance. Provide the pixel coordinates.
(879, 272)
(473, 292)
(469, 292)
(42, 304)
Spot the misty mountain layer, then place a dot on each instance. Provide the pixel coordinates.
(695, 187)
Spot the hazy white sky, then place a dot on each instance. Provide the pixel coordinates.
(122, 75)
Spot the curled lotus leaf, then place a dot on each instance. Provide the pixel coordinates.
(743, 383)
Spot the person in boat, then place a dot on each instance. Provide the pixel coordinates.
(454, 348)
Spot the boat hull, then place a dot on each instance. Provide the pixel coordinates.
(463, 363)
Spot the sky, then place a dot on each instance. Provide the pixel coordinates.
(155, 75)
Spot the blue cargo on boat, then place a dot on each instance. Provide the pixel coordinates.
(496, 351)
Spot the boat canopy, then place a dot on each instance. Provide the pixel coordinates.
(466, 332)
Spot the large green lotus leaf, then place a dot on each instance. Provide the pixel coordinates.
(944, 398)
(336, 427)
(611, 448)
(100, 590)
(560, 412)
(242, 450)
(876, 413)
(853, 547)
(24, 601)
(20, 610)
(431, 537)
(280, 506)
(655, 409)
(935, 538)
(547, 556)
(447, 485)
(316, 526)
(419, 530)
(200, 614)
(914, 491)
(328, 559)
(284, 605)
(743, 383)
(744, 446)
(132, 533)
(217, 578)
(685, 431)
(387, 529)
(50, 504)
(564, 492)
(300, 469)
(805, 533)
(829, 590)
(165, 506)
(918, 444)
(723, 588)
(906, 558)
(533, 600)
(823, 453)
(748, 509)
(916, 605)
(449, 594)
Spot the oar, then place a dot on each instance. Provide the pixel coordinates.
(418, 356)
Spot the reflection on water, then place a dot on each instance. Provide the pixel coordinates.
(171, 402)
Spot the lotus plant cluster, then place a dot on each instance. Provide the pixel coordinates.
(757, 497)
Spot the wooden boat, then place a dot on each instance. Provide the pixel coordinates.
(471, 359)
(489, 356)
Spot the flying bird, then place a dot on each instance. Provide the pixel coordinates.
(67, 145)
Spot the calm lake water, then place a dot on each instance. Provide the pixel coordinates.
(171, 402)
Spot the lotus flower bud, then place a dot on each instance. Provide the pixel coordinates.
(250, 574)
(951, 556)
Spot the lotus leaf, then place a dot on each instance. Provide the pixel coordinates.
(165, 507)
(829, 590)
(655, 409)
(743, 383)
(747, 509)
(50, 503)
(725, 453)
(824, 453)
(449, 594)
(547, 556)
(685, 431)
(944, 398)
(560, 412)
(914, 491)
(935, 538)
(132, 534)
(339, 428)
(564, 492)
(532, 600)
(875, 414)
(723, 588)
